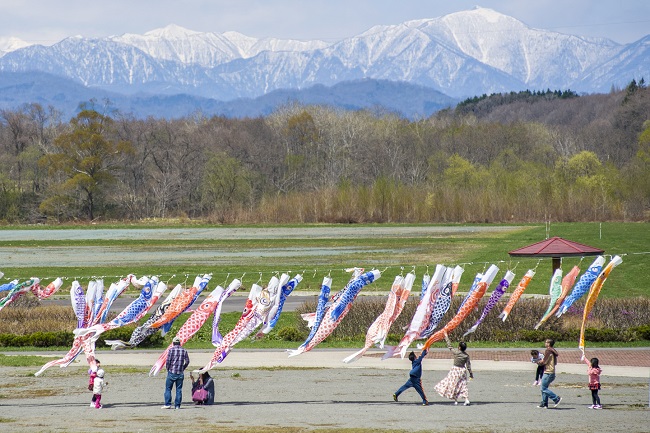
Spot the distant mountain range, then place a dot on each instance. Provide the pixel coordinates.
(414, 68)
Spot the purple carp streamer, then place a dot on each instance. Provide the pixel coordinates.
(517, 294)
(498, 292)
(583, 285)
(594, 291)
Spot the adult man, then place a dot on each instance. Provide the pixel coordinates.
(549, 362)
(177, 362)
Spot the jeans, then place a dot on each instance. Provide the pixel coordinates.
(413, 382)
(547, 379)
(173, 378)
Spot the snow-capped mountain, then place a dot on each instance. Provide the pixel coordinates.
(462, 54)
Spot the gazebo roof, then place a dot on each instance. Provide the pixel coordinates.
(556, 247)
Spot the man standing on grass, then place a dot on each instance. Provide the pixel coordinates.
(549, 362)
(177, 362)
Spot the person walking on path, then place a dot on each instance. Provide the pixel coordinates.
(454, 385)
(99, 384)
(177, 362)
(594, 371)
(92, 373)
(549, 362)
(415, 377)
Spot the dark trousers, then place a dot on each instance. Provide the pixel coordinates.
(539, 373)
(594, 397)
(413, 382)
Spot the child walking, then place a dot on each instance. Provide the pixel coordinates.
(535, 358)
(92, 372)
(98, 387)
(593, 370)
(415, 377)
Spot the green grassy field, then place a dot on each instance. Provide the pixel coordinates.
(392, 255)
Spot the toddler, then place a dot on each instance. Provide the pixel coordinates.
(99, 386)
(535, 357)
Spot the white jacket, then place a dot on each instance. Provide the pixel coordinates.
(98, 385)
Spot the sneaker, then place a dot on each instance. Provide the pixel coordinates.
(557, 403)
(535, 383)
(591, 406)
(395, 397)
(92, 404)
(425, 403)
(466, 403)
(455, 403)
(166, 407)
(177, 407)
(542, 406)
(598, 406)
(99, 407)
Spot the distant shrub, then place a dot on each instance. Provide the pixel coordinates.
(291, 333)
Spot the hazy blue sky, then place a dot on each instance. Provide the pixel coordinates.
(48, 21)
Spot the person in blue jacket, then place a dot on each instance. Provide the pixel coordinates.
(415, 377)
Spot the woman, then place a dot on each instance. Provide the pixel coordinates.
(455, 384)
(204, 381)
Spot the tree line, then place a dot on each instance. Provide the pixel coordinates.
(526, 156)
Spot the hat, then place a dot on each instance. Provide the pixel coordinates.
(100, 373)
(176, 340)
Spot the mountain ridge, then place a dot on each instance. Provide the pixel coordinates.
(463, 54)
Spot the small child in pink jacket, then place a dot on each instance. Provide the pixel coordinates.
(593, 370)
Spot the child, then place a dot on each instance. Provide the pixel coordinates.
(593, 370)
(415, 377)
(535, 357)
(92, 372)
(98, 387)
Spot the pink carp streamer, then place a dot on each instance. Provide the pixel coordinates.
(337, 311)
(467, 307)
(182, 301)
(45, 292)
(256, 307)
(82, 343)
(196, 320)
(567, 283)
(498, 292)
(149, 295)
(594, 291)
(521, 287)
(379, 328)
(422, 314)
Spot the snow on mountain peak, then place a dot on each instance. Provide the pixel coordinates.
(11, 44)
(171, 31)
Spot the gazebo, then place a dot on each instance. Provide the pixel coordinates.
(556, 248)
